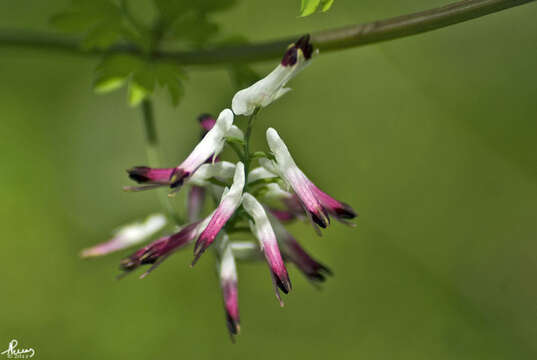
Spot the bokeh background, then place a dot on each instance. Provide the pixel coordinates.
(432, 139)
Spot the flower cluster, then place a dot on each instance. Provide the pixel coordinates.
(261, 199)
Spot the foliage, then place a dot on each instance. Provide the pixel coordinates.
(103, 24)
(308, 7)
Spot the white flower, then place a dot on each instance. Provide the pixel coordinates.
(318, 204)
(210, 146)
(272, 87)
(230, 201)
(262, 229)
(128, 235)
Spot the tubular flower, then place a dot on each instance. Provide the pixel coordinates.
(228, 283)
(293, 252)
(208, 148)
(262, 229)
(317, 203)
(128, 235)
(272, 87)
(230, 201)
(195, 201)
(160, 249)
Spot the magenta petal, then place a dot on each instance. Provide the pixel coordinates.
(336, 208)
(160, 248)
(314, 270)
(217, 222)
(206, 121)
(144, 174)
(277, 267)
(231, 305)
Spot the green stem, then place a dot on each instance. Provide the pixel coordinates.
(153, 156)
(325, 41)
(246, 151)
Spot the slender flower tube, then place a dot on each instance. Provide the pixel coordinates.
(293, 252)
(317, 203)
(160, 249)
(195, 201)
(208, 148)
(128, 235)
(267, 239)
(272, 87)
(230, 201)
(228, 283)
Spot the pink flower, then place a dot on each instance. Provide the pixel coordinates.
(128, 235)
(230, 201)
(207, 149)
(157, 251)
(293, 252)
(318, 204)
(195, 201)
(267, 239)
(228, 283)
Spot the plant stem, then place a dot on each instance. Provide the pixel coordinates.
(153, 156)
(325, 41)
(247, 158)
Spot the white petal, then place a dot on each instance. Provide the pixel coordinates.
(260, 173)
(221, 170)
(261, 225)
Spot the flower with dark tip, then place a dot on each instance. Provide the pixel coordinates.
(318, 204)
(228, 283)
(293, 252)
(160, 249)
(272, 87)
(230, 201)
(150, 178)
(208, 148)
(128, 235)
(263, 231)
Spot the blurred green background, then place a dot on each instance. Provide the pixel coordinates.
(432, 139)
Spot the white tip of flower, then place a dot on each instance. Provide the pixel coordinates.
(280, 150)
(224, 121)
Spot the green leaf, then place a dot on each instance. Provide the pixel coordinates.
(137, 94)
(308, 7)
(170, 76)
(100, 22)
(113, 72)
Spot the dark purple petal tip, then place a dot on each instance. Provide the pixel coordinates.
(177, 178)
(320, 219)
(345, 212)
(291, 55)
